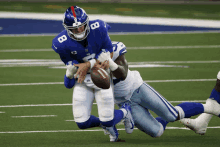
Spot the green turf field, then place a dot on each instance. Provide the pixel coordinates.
(35, 107)
(194, 11)
(41, 115)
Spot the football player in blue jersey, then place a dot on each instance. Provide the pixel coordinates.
(78, 47)
(199, 125)
(129, 88)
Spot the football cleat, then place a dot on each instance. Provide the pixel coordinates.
(199, 127)
(128, 120)
(112, 132)
(213, 107)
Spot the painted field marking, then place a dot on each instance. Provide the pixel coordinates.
(96, 130)
(45, 105)
(144, 47)
(2, 112)
(160, 62)
(148, 81)
(34, 116)
(34, 105)
(118, 33)
(25, 84)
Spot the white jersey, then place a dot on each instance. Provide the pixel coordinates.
(123, 90)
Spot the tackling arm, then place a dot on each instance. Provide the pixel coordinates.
(122, 70)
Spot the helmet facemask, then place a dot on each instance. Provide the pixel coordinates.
(73, 27)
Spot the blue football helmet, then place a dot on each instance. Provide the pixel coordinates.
(75, 19)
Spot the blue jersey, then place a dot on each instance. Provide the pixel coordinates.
(87, 49)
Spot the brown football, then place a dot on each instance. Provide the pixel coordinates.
(100, 77)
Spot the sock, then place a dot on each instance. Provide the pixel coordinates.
(90, 123)
(162, 121)
(124, 112)
(215, 95)
(118, 116)
(191, 108)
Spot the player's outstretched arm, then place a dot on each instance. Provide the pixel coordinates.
(122, 70)
(119, 68)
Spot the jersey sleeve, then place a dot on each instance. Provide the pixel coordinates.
(60, 49)
(119, 49)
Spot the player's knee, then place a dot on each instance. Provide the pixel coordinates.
(80, 114)
(106, 115)
(160, 132)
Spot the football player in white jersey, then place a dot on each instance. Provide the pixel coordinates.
(199, 125)
(78, 46)
(129, 88)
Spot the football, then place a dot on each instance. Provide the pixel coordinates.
(100, 77)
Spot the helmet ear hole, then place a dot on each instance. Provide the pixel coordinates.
(75, 17)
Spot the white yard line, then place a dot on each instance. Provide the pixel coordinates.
(147, 81)
(96, 130)
(144, 47)
(183, 80)
(59, 64)
(2, 112)
(25, 84)
(118, 19)
(176, 47)
(34, 116)
(34, 105)
(159, 62)
(119, 33)
(45, 105)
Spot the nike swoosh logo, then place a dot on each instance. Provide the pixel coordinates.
(132, 125)
(138, 90)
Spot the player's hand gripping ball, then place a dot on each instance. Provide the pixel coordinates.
(100, 77)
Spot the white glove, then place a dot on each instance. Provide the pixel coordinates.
(104, 56)
(71, 70)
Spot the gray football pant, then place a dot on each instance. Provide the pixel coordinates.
(146, 98)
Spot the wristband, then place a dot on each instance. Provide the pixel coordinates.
(92, 62)
(112, 65)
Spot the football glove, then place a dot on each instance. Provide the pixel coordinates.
(103, 57)
(71, 69)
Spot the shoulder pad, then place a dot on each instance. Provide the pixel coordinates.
(102, 26)
(119, 49)
(57, 44)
